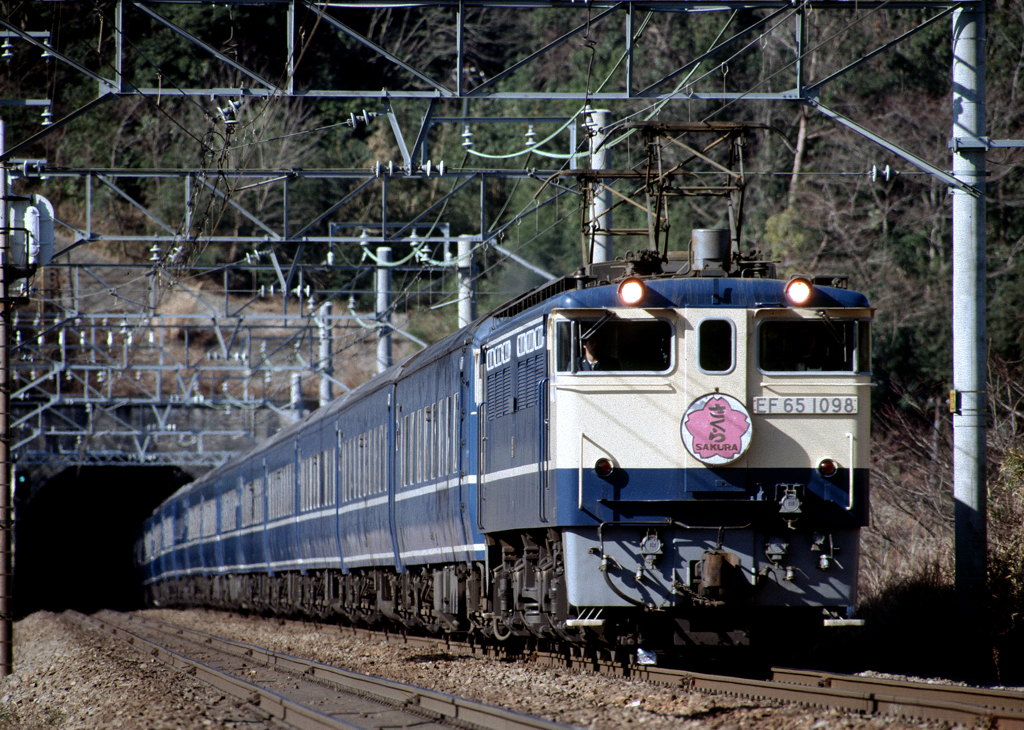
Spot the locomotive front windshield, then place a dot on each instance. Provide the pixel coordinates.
(610, 344)
(825, 345)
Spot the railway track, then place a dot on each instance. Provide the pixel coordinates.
(969, 706)
(305, 694)
(993, 708)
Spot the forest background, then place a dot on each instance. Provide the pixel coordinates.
(818, 198)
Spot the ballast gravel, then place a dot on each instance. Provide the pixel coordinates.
(67, 676)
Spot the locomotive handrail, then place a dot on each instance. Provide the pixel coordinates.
(634, 387)
(579, 485)
(663, 522)
(849, 500)
(481, 466)
(849, 313)
(802, 383)
(542, 445)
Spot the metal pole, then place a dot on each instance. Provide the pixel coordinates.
(326, 365)
(383, 308)
(467, 284)
(601, 209)
(296, 396)
(6, 523)
(969, 402)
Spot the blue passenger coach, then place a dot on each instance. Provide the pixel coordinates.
(652, 451)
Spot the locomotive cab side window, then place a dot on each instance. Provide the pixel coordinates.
(814, 345)
(863, 347)
(607, 343)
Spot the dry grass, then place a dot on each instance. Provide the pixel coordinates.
(915, 622)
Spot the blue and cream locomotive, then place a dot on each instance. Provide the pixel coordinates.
(658, 451)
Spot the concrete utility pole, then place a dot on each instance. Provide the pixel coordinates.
(6, 514)
(296, 398)
(601, 208)
(968, 400)
(326, 362)
(384, 279)
(467, 284)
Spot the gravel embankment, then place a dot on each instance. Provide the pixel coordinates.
(66, 677)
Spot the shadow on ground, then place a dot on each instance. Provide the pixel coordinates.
(915, 627)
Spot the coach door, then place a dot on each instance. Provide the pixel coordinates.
(716, 426)
(388, 478)
(464, 440)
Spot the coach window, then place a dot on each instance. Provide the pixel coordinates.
(813, 345)
(610, 344)
(208, 526)
(456, 442)
(260, 501)
(248, 504)
(418, 454)
(229, 510)
(194, 522)
(715, 346)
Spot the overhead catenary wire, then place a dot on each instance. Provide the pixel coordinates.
(209, 151)
(494, 224)
(448, 275)
(792, 63)
(213, 158)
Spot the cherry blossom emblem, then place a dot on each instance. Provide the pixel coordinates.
(716, 429)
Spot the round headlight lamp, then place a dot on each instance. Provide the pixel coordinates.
(632, 291)
(604, 467)
(799, 290)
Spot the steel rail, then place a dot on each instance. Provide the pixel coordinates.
(272, 703)
(899, 698)
(995, 699)
(1000, 709)
(446, 708)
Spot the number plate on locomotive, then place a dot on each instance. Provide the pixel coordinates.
(806, 405)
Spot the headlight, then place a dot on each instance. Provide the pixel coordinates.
(632, 291)
(604, 467)
(799, 290)
(827, 468)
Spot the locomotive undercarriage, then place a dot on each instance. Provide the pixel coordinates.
(519, 595)
(526, 585)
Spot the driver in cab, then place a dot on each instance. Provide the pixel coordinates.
(595, 354)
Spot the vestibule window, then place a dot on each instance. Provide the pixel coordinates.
(716, 351)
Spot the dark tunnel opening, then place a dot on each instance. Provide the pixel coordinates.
(74, 536)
